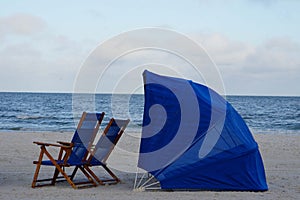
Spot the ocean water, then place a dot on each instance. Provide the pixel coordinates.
(60, 112)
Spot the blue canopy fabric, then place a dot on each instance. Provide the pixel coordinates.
(192, 138)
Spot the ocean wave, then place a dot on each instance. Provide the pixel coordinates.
(247, 117)
(34, 117)
(7, 116)
(25, 117)
(15, 128)
(295, 127)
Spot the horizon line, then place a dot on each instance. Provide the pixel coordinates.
(108, 93)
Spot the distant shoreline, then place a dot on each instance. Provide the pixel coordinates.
(137, 132)
(71, 93)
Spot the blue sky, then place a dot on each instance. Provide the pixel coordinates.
(255, 44)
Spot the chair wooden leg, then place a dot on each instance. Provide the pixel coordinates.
(58, 167)
(111, 173)
(38, 166)
(56, 172)
(114, 179)
(74, 173)
(91, 180)
(93, 175)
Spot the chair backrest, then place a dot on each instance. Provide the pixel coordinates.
(107, 141)
(84, 135)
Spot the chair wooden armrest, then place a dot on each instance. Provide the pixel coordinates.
(50, 144)
(63, 148)
(65, 143)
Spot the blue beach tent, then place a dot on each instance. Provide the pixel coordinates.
(193, 139)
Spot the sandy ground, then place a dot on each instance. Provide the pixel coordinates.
(281, 155)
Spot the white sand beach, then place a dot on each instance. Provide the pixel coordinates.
(280, 153)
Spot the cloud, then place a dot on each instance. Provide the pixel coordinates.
(276, 55)
(21, 24)
(238, 61)
(47, 64)
(268, 68)
(34, 59)
(50, 62)
(223, 50)
(273, 55)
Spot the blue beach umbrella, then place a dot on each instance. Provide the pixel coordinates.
(193, 139)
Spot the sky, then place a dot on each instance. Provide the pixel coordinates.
(254, 44)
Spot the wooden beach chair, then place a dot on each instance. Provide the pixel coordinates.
(70, 154)
(103, 149)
